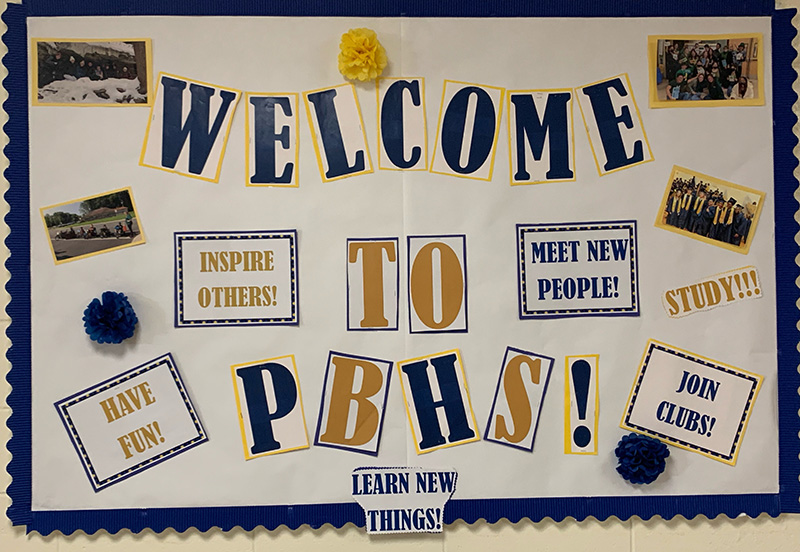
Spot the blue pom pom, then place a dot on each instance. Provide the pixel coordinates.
(111, 320)
(641, 459)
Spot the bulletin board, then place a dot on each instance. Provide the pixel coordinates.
(399, 265)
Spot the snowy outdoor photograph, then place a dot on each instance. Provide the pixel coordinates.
(92, 72)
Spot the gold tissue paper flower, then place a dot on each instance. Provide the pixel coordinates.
(362, 57)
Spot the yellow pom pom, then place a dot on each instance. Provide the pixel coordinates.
(362, 57)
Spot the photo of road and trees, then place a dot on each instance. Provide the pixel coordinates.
(92, 225)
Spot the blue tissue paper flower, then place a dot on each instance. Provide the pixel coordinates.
(641, 459)
(111, 320)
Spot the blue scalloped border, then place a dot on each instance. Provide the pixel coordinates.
(407, 8)
(18, 264)
(491, 510)
(786, 250)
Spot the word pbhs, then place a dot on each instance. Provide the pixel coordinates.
(126, 402)
(353, 408)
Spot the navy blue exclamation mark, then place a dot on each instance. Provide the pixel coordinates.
(581, 376)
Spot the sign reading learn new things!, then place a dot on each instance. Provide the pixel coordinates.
(383, 277)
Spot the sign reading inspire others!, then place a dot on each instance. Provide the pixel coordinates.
(235, 278)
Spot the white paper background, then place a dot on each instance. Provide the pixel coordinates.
(77, 152)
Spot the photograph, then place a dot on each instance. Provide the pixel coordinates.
(710, 210)
(97, 224)
(705, 71)
(92, 72)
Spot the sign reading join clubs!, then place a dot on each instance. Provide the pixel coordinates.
(691, 402)
(190, 122)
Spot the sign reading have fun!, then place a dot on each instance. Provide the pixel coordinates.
(131, 422)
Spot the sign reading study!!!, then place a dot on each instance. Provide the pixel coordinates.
(723, 289)
(403, 500)
(236, 278)
(132, 422)
(691, 402)
(577, 269)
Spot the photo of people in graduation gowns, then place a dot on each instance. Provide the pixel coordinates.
(710, 209)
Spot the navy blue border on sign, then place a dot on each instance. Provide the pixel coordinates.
(409, 262)
(397, 283)
(509, 349)
(656, 346)
(528, 314)
(317, 442)
(20, 512)
(180, 237)
(63, 406)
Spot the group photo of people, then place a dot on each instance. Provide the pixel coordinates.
(93, 72)
(707, 69)
(705, 207)
(92, 225)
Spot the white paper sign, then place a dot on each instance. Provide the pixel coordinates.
(353, 403)
(131, 422)
(582, 404)
(403, 143)
(469, 124)
(339, 139)
(577, 269)
(614, 124)
(403, 500)
(270, 406)
(272, 152)
(235, 278)
(691, 402)
(733, 286)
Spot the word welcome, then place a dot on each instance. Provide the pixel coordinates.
(191, 140)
